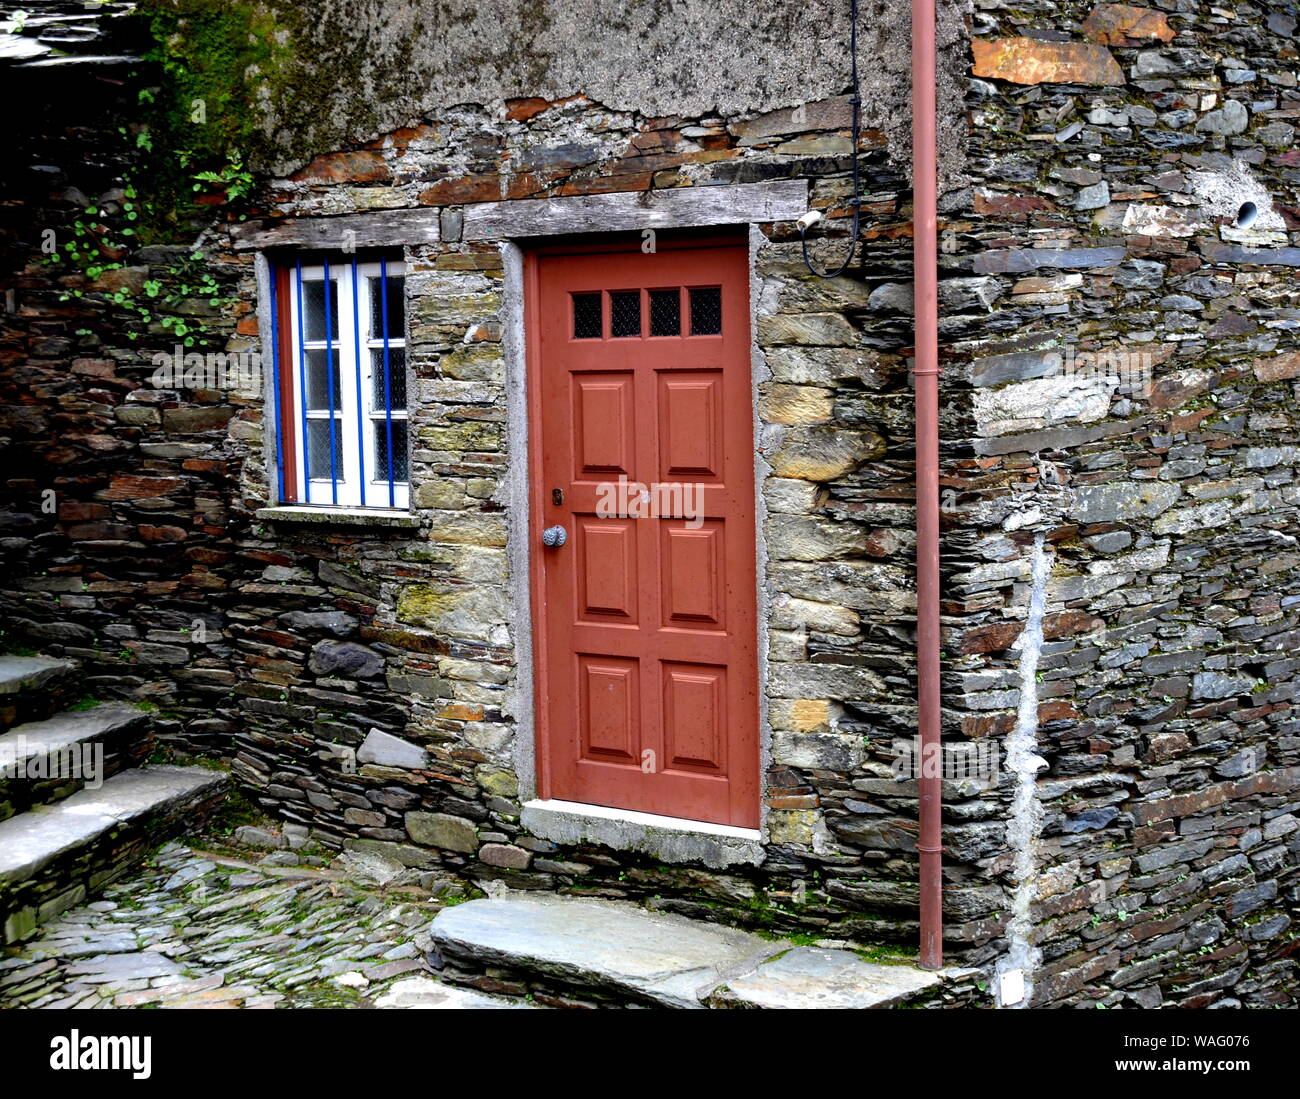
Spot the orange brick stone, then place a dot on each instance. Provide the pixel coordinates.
(1278, 368)
(140, 488)
(1125, 25)
(521, 110)
(991, 638)
(1030, 61)
(1068, 623)
(449, 192)
(461, 711)
(358, 167)
(993, 204)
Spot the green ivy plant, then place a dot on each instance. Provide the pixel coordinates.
(98, 246)
(210, 59)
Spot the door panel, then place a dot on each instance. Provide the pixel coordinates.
(607, 569)
(644, 627)
(693, 584)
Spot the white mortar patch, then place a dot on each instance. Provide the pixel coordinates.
(1221, 194)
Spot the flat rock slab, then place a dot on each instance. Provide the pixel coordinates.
(421, 992)
(24, 673)
(124, 967)
(813, 977)
(650, 956)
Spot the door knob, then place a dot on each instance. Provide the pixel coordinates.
(554, 536)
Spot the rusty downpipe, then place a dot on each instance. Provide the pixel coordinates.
(925, 372)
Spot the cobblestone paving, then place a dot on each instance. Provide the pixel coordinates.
(195, 928)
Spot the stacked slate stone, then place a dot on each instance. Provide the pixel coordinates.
(1137, 335)
(116, 493)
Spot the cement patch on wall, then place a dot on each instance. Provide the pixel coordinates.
(376, 66)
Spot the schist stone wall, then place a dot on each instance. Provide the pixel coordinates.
(1124, 338)
(115, 496)
(363, 679)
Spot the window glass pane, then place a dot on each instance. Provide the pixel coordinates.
(313, 307)
(586, 316)
(625, 313)
(400, 465)
(396, 308)
(706, 311)
(318, 447)
(318, 375)
(396, 377)
(665, 312)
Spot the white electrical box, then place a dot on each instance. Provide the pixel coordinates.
(1011, 987)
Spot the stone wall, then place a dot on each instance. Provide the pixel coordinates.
(115, 494)
(420, 642)
(1132, 342)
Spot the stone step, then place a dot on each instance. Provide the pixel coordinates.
(32, 687)
(42, 761)
(815, 977)
(54, 856)
(613, 948)
(27, 673)
(582, 950)
(613, 951)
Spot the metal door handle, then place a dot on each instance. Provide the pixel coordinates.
(554, 536)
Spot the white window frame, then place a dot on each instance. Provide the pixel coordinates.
(359, 434)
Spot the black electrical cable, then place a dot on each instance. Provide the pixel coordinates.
(855, 102)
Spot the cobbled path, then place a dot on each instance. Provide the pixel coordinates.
(195, 928)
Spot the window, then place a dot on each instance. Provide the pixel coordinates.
(663, 310)
(340, 384)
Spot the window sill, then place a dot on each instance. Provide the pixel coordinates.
(336, 517)
(718, 846)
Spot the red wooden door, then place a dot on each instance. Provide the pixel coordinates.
(642, 449)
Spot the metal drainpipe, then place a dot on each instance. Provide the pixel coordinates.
(925, 371)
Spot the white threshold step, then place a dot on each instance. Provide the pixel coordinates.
(34, 839)
(665, 959)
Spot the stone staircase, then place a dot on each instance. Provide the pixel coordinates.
(78, 807)
(580, 952)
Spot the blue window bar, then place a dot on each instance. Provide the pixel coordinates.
(388, 380)
(353, 438)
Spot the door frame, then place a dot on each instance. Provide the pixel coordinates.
(520, 309)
